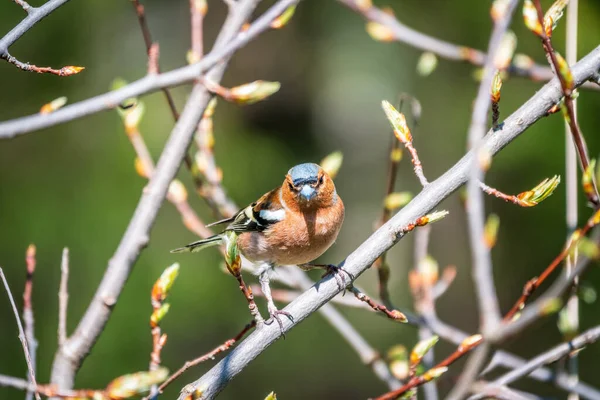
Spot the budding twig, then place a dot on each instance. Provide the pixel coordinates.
(208, 356)
(22, 336)
(391, 314)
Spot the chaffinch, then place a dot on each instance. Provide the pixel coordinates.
(291, 225)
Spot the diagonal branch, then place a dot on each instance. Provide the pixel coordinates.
(215, 380)
(70, 356)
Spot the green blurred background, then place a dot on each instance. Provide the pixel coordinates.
(74, 185)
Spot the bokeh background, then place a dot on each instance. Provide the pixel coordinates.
(74, 185)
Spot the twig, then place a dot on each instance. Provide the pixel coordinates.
(208, 356)
(450, 51)
(69, 358)
(220, 375)
(63, 298)
(572, 118)
(487, 300)
(391, 314)
(45, 390)
(571, 182)
(26, 7)
(22, 336)
(470, 372)
(148, 84)
(536, 282)
(34, 15)
(550, 356)
(28, 310)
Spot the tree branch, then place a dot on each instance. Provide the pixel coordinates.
(148, 84)
(70, 356)
(215, 380)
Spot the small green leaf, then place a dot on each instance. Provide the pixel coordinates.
(539, 193)
(127, 386)
(419, 351)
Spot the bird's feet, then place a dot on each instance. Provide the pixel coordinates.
(339, 274)
(276, 316)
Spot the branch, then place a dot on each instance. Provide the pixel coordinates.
(148, 84)
(550, 356)
(215, 380)
(34, 15)
(487, 300)
(22, 336)
(63, 298)
(450, 51)
(28, 310)
(70, 356)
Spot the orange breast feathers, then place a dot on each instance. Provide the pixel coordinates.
(301, 236)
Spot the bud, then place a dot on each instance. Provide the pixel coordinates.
(398, 360)
(158, 314)
(141, 168)
(363, 5)
(553, 14)
(433, 217)
(539, 193)
(201, 7)
(499, 8)
(177, 192)
(284, 18)
(565, 71)
(380, 32)
(471, 341)
(396, 155)
(551, 306)
(566, 325)
(496, 86)
(163, 285)
(398, 122)
(232, 257)
(409, 394)
(523, 61)
(253, 92)
(419, 351)
(427, 63)
(484, 156)
(490, 232)
(588, 248)
(397, 200)
(506, 50)
(588, 178)
(135, 384)
(434, 373)
(429, 270)
(587, 293)
(332, 163)
(398, 316)
(53, 105)
(70, 70)
(530, 17)
(271, 396)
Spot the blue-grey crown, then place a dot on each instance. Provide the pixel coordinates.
(304, 173)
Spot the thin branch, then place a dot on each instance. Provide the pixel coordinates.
(63, 298)
(389, 234)
(28, 310)
(571, 182)
(22, 336)
(390, 313)
(69, 358)
(148, 84)
(421, 41)
(34, 15)
(578, 138)
(208, 356)
(590, 336)
(470, 372)
(487, 300)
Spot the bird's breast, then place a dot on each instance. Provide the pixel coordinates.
(300, 238)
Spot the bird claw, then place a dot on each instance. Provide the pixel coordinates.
(338, 274)
(275, 316)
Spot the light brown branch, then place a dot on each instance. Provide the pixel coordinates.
(28, 309)
(63, 298)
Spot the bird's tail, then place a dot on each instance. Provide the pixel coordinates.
(194, 247)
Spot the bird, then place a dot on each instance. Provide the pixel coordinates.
(292, 224)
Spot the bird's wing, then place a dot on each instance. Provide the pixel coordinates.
(259, 215)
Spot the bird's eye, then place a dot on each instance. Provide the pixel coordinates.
(321, 180)
(291, 186)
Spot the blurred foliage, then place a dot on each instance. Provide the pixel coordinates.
(75, 184)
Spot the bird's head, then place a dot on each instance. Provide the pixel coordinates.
(309, 186)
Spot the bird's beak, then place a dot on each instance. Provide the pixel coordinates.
(307, 192)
